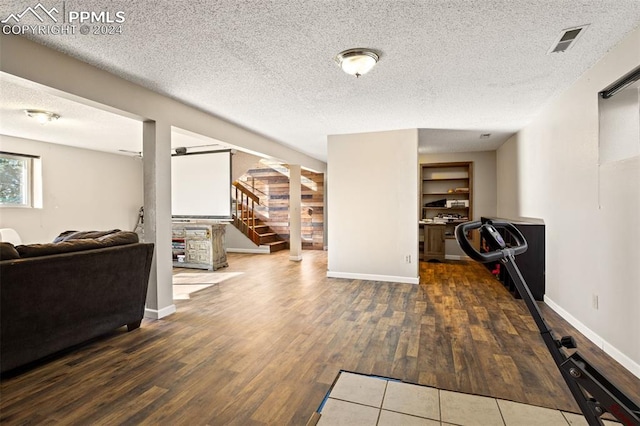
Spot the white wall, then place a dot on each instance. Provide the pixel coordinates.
(82, 190)
(241, 162)
(550, 170)
(373, 211)
(236, 242)
(507, 183)
(620, 126)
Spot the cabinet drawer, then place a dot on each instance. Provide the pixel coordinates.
(197, 233)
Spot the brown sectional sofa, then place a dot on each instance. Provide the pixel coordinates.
(57, 295)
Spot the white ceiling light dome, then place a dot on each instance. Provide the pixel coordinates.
(357, 61)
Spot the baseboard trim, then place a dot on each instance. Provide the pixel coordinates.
(250, 250)
(158, 314)
(608, 348)
(296, 258)
(370, 277)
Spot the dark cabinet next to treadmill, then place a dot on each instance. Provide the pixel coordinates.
(531, 263)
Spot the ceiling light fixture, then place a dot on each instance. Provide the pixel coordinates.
(41, 117)
(357, 61)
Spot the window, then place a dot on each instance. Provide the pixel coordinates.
(619, 109)
(20, 180)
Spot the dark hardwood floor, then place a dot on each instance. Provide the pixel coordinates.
(264, 347)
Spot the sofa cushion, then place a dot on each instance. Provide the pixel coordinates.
(35, 250)
(77, 235)
(8, 251)
(117, 238)
(91, 240)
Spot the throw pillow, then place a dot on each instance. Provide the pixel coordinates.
(78, 235)
(8, 251)
(118, 238)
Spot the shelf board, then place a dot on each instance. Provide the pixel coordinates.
(445, 208)
(445, 193)
(453, 222)
(443, 179)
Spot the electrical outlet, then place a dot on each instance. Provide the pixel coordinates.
(594, 301)
(407, 258)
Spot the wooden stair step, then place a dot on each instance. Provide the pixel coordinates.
(267, 234)
(276, 246)
(269, 237)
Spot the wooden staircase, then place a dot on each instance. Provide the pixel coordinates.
(253, 227)
(266, 237)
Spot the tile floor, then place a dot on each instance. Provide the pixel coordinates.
(357, 399)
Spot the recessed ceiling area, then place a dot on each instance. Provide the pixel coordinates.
(80, 125)
(459, 66)
(437, 141)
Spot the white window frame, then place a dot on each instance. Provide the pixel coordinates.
(32, 180)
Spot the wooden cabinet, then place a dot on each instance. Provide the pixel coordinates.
(434, 242)
(446, 198)
(199, 246)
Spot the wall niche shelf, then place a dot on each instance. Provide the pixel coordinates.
(446, 200)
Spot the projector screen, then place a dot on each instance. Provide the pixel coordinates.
(201, 185)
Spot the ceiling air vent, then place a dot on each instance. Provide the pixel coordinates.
(567, 39)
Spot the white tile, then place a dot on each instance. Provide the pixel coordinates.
(416, 400)
(469, 410)
(575, 419)
(359, 388)
(391, 418)
(516, 414)
(342, 413)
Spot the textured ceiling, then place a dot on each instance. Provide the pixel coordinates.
(79, 125)
(468, 66)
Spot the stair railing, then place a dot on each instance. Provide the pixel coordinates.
(245, 217)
